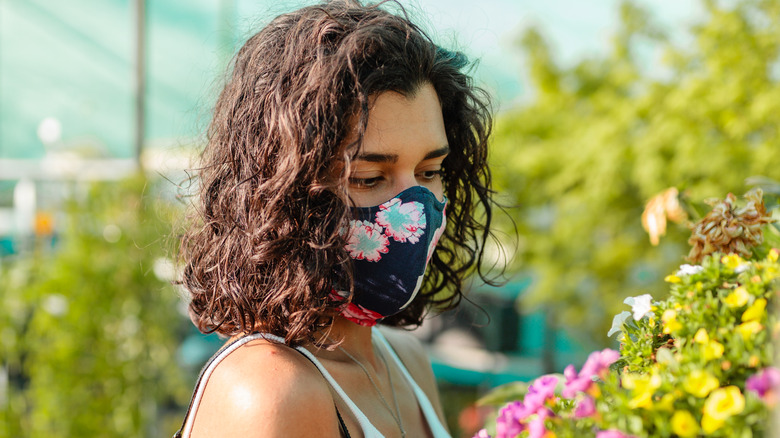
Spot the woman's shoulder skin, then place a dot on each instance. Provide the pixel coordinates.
(263, 389)
(412, 353)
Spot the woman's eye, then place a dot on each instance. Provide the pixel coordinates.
(431, 174)
(365, 182)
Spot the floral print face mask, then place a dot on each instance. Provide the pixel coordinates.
(391, 245)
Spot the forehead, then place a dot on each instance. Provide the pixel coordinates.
(397, 122)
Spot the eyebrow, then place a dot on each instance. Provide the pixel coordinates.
(392, 158)
(442, 151)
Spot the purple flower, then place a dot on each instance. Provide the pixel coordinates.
(611, 433)
(585, 408)
(539, 391)
(536, 427)
(764, 381)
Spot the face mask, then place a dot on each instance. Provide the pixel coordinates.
(391, 245)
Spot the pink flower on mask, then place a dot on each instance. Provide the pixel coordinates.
(436, 236)
(355, 312)
(366, 241)
(402, 220)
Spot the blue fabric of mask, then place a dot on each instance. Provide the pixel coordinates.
(391, 245)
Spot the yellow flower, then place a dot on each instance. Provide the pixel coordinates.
(709, 424)
(731, 261)
(713, 350)
(700, 383)
(723, 403)
(756, 311)
(642, 388)
(737, 298)
(749, 328)
(774, 254)
(669, 319)
(684, 425)
(701, 336)
(672, 279)
(666, 403)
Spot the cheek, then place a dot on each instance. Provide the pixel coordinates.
(365, 199)
(437, 187)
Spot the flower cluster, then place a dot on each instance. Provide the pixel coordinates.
(698, 363)
(542, 400)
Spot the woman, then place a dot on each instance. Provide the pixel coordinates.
(340, 143)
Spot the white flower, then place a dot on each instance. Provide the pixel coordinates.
(640, 305)
(617, 322)
(689, 270)
(742, 267)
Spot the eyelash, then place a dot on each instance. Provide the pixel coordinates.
(365, 182)
(371, 182)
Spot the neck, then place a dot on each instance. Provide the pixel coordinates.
(356, 339)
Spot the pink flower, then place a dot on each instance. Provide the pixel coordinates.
(482, 434)
(508, 423)
(764, 382)
(539, 391)
(536, 427)
(597, 365)
(585, 408)
(611, 433)
(574, 382)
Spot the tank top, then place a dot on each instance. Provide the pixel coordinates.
(369, 431)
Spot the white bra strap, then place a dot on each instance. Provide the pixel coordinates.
(437, 429)
(369, 431)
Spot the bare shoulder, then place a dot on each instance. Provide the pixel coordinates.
(263, 389)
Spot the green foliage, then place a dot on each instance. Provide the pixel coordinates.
(602, 137)
(89, 333)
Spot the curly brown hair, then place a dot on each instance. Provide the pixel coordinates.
(268, 241)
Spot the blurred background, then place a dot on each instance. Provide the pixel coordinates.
(600, 106)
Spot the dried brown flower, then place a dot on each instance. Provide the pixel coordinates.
(660, 207)
(728, 228)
